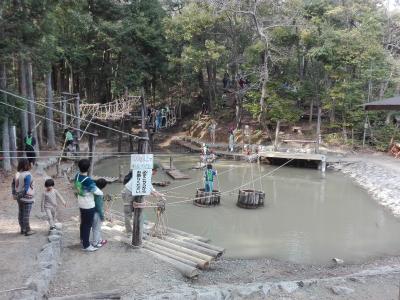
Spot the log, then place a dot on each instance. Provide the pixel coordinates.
(200, 263)
(200, 243)
(113, 294)
(183, 233)
(250, 199)
(186, 270)
(155, 248)
(204, 199)
(194, 247)
(183, 250)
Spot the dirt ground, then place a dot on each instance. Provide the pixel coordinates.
(139, 275)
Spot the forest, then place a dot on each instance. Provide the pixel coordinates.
(276, 60)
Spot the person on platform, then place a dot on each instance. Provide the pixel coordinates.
(209, 175)
(30, 143)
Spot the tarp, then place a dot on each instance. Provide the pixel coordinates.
(385, 104)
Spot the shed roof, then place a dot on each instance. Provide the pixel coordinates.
(385, 104)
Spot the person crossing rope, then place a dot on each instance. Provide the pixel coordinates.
(30, 143)
(209, 175)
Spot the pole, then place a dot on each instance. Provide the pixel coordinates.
(92, 149)
(365, 130)
(77, 111)
(318, 129)
(64, 110)
(278, 123)
(137, 230)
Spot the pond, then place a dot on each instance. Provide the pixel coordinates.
(308, 217)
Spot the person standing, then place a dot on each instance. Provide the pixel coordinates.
(128, 198)
(25, 196)
(49, 202)
(225, 80)
(231, 141)
(98, 218)
(30, 143)
(209, 175)
(213, 128)
(86, 189)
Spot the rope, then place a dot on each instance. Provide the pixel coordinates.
(56, 110)
(40, 116)
(88, 124)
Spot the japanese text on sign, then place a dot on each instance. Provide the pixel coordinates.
(141, 165)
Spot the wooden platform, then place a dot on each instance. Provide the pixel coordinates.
(108, 179)
(185, 252)
(176, 174)
(166, 166)
(318, 158)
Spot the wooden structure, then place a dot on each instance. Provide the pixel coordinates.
(250, 199)
(279, 157)
(206, 199)
(188, 253)
(108, 179)
(162, 183)
(395, 150)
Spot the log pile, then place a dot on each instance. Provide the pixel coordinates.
(250, 199)
(185, 252)
(205, 199)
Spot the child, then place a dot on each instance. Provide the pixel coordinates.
(25, 196)
(49, 202)
(98, 215)
(209, 178)
(86, 189)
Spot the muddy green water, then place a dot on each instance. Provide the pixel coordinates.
(308, 217)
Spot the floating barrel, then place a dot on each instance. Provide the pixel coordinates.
(250, 199)
(207, 198)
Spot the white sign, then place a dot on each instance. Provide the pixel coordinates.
(141, 161)
(141, 165)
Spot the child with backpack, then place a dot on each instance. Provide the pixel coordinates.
(98, 215)
(49, 202)
(86, 189)
(209, 175)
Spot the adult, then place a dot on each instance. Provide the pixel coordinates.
(30, 143)
(231, 141)
(225, 80)
(213, 128)
(25, 196)
(203, 108)
(128, 198)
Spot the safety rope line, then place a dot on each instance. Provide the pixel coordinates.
(56, 110)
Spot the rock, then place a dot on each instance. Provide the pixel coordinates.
(358, 279)
(55, 232)
(58, 226)
(341, 290)
(288, 286)
(209, 295)
(338, 261)
(54, 238)
(266, 288)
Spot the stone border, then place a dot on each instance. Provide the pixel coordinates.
(271, 289)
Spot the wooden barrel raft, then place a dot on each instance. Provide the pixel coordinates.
(205, 199)
(250, 199)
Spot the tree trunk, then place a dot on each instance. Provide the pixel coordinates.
(49, 113)
(6, 135)
(13, 145)
(31, 104)
(311, 111)
(318, 129)
(264, 80)
(209, 88)
(24, 93)
(278, 125)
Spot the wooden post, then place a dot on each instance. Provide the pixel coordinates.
(318, 129)
(137, 230)
(365, 130)
(171, 163)
(77, 111)
(64, 111)
(278, 123)
(121, 129)
(92, 149)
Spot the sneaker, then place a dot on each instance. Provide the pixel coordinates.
(100, 244)
(89, 249)
(30, 232)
